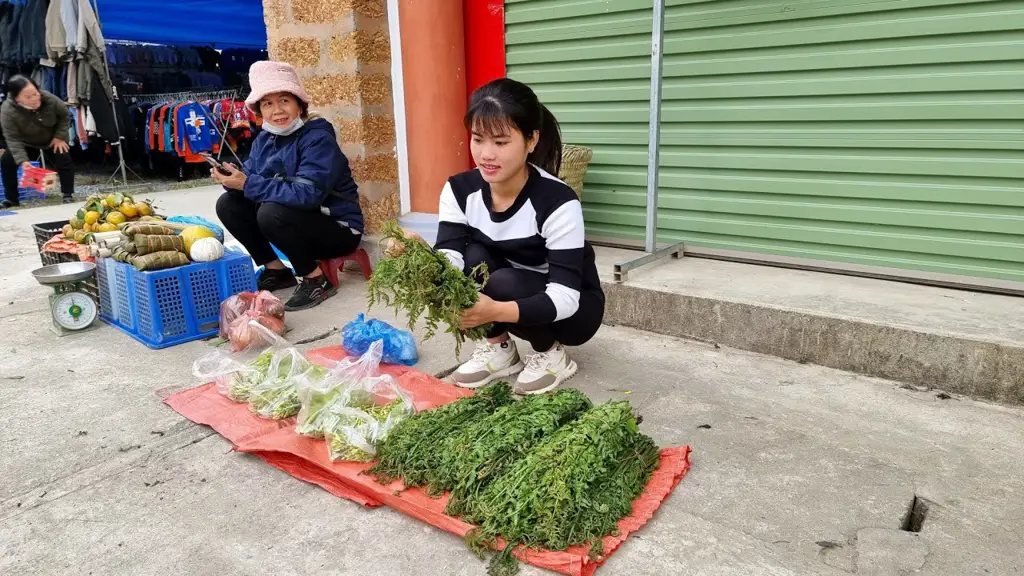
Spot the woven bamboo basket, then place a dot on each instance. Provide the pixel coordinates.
(575, 160)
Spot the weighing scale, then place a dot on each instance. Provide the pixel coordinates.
(71, 309)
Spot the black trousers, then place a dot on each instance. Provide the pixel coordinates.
(59, 162)
(304, 236)
(507, 284)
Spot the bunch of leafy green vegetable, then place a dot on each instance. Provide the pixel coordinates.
(422, 282)
(276, 396)
(352, 433)
(315, 403)
(243, 381)
(415, 447)
(572, 488)
(483, 450)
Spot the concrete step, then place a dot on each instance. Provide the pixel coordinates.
(957, 341)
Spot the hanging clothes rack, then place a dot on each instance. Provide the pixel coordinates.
(196, 95)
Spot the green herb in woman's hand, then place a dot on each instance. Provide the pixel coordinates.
(423, 283)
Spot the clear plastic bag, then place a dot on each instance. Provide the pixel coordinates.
(350, 439)
(237, 373)
(276, 397)
(237, 312)
(399, 345)
(233, 307)
(354, 426)
(361, 417)
(316, 396)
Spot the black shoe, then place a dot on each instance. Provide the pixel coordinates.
(68, 200)
(311, 292)
(274, 280)
(8, 204)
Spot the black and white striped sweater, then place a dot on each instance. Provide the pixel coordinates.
(542, 232)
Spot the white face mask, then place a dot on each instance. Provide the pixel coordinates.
(287, 130)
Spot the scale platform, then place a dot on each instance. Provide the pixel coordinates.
(71, 309)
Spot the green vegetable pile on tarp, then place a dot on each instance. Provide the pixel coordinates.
(421, 282)
(415, 446)
(549, 471)
(483, 450)
(570, 489)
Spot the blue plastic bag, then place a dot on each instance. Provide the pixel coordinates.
(399, 345)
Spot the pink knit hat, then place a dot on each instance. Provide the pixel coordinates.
(269, 77)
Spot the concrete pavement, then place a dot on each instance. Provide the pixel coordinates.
(798, 469)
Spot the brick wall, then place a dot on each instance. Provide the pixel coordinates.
(342, 52)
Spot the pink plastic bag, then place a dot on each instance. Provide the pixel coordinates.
(238, 312)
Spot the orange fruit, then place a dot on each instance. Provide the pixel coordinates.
(128, 210)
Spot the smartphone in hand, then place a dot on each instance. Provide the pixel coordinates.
(215, 163)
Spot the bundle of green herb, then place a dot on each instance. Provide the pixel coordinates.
(572, 488)
(314, 403)
(276, 396)
(243, 381)
(421, 282)
(413, 448)
(352, 433)
(485, 449)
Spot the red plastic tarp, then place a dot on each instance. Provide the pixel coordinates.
(306, 459)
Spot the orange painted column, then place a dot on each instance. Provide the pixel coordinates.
(434, 79)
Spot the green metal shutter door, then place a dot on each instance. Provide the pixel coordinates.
(873, 133)
(589, 61)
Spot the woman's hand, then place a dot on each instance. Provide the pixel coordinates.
(233, 180)
(59, 146)
(487, 310)
(394, 248)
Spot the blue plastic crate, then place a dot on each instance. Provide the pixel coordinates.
(168, 307)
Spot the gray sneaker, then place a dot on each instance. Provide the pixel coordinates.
(490, 362)
(545, 371)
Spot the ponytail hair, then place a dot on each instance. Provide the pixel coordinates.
(503, 104)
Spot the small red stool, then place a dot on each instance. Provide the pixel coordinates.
(331, 267)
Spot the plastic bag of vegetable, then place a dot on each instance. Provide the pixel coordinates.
(315, 396)
(363, 415)
(354, 425)
(399, 345)
(237, 373)
(276, 396)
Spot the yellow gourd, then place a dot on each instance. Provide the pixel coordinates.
(192, 233)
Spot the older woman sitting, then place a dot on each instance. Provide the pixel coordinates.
(295, 191)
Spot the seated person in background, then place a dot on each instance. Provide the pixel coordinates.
(295, 191)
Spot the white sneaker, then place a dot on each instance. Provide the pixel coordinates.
(545, 371)
(490, 362)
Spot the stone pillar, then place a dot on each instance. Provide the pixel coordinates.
(342, 53)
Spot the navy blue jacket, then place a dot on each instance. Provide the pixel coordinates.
(307, 157)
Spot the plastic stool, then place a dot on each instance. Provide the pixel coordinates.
(331, 267)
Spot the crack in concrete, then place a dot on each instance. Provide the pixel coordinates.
(22, 313)
(318, 337)
(141, 461)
